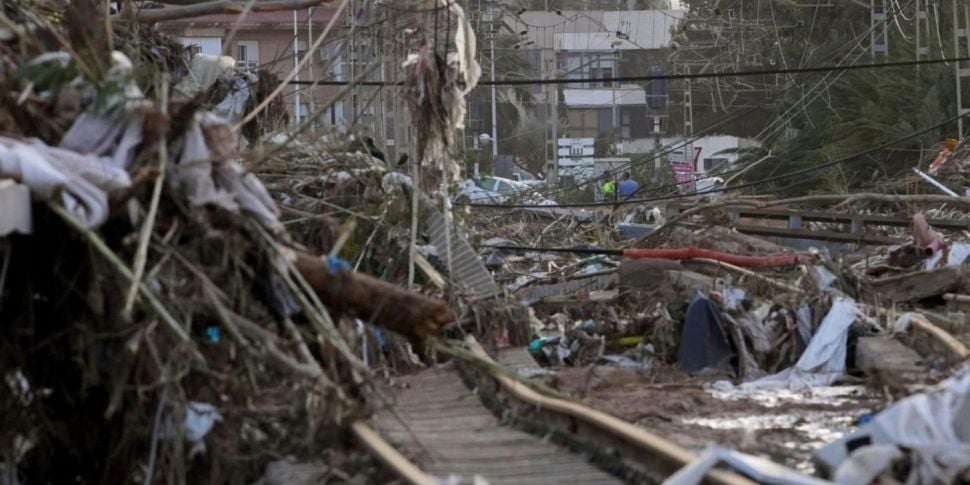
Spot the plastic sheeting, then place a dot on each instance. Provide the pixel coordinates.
(934, 427)
(823, 362)
(756, 468)
(704, 343)
(79, 182)
(209, 174)
(94, 155)
(200, 417)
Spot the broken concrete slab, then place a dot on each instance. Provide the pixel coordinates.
(889, 357)
(690, 280)
(646, 273)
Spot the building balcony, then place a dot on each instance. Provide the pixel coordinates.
(631, 95)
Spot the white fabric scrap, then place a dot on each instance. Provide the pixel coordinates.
(200, 417)
(465, 47)
(959, 252)
(232, 106)
(956, 254)
(754, 467)
(204, 72)
(866, 463)
(823, 362)
(824, 278)
(79, 182)
(208, 180)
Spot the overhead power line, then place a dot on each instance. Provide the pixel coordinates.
(754, 183)
(711, 75)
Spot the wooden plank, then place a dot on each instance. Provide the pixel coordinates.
(452, 435)
(843, 237)
(839, 217)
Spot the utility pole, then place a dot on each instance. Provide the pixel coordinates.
(961, 48)
(922, 21)
(879, 37)
(351, 14)
(552, 91)
(689, 124)
(311, 93)
(493, 29)
(296, 63)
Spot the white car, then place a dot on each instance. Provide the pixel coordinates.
(495, 190)
(529, 179)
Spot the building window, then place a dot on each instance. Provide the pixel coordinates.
(601, 73)
(247, 54)
(300, 49)
(203, 45)
(586, 65)
(302, 111)
(589, 123)
(634, 122)
(713, 163)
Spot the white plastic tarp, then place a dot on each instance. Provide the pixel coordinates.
(823, 362)
(956, 254)
(933, 426)
(754, 467)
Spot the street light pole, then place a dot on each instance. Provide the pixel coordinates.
(482, 140)
(493, 30)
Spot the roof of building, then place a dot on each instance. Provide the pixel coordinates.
(320, 14)
(597, 30)
(602, 97)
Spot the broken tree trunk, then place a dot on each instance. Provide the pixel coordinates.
(372, 300)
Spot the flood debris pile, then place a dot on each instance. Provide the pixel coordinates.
(159, 320)
(696, 301)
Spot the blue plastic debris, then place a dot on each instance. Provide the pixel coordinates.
(212, 333)
(337, 265)
(535, 346)
(380, 337)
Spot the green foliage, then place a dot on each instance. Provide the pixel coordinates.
(859, 111)
(47, 76)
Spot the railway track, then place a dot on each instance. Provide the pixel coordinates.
(467, 421)
(470, 419)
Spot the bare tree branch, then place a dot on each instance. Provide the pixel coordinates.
(182, 9)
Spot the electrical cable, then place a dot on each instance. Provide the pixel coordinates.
(737, 187)
(765, 133)
(669, 77)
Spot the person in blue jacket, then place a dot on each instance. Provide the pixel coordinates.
(627, 186)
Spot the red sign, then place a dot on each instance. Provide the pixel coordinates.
(682, 171)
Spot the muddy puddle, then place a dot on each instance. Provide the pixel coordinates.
(783, 425)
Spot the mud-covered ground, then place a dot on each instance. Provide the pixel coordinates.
(784, 426)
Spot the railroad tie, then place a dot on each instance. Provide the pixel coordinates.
(459, 436)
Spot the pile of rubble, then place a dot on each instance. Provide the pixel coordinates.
(698, 300)
(174, 305)
(160, 319)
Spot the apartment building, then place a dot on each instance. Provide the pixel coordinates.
(273, 41)
(595, 44)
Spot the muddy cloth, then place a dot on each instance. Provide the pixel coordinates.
(704, 341)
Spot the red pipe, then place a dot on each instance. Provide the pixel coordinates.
(695, 252)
